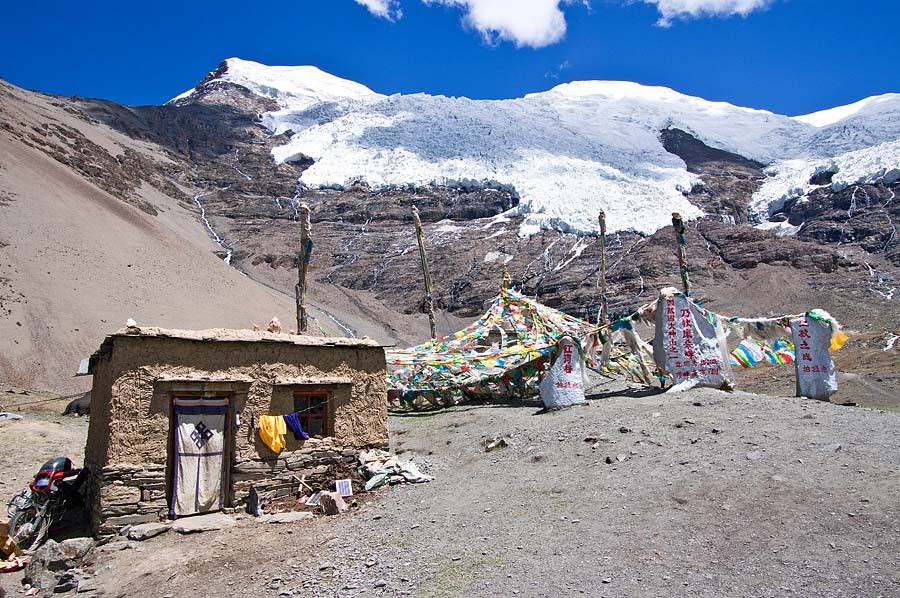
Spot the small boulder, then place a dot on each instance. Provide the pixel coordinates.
(496, 443)
(332, 503)
(55, 556)
(145, 531)
(203, 523)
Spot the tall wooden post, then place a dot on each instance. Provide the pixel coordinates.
(306, 244)
(605, 335)
(604, 300)
(678, 225)
(429, 296)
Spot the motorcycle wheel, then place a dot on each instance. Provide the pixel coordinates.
(27, 530)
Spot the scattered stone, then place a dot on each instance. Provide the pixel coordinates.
(55, 556)
(145, 531)
(332, 503)
(609, 460)
(288, 517)
(325, 566)
(591, 439)
(621, 457)
(66, 582)
(495, 443)
(370, 563)
(624, 430)
(203, 523)
(833, 448)
(716, 431)
(756, 455)
(606, 580)
(379, 584)
(86, 584)
(656, 414)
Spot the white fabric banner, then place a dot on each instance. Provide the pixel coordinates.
(198, 475)
(815, 371)
(687, 345)
(564, 384)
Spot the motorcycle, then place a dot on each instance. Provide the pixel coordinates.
(54, 489)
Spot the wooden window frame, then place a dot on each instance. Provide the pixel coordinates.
(305, 415)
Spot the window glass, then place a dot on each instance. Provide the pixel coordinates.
(312, 411)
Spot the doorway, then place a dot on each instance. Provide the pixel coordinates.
(199, 464)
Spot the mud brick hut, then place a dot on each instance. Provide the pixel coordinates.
(174, 418)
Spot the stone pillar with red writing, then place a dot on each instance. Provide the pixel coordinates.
(816, 377)
(687, 345)
(563, 385)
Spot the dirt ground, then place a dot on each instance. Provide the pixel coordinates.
(703, 493)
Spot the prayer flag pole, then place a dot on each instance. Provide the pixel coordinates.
(429, 297)
(306, 244)
(606, 336)
(604, 300)
(678, 225)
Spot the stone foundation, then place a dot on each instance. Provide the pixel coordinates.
(129, 495)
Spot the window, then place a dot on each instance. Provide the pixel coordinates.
(312, 411)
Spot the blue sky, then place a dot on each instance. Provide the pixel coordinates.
(788, 56)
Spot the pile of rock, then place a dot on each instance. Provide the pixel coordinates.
(57, 566)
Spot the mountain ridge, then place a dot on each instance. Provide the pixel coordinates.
(559, 149)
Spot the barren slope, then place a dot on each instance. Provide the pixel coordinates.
(76, 262)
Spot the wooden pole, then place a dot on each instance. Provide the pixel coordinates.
(306, 245)
(429, 296)
(605, 336)
(604, 300)
(678, 225)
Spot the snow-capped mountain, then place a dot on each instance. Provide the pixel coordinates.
(293, 87)
(567, 152)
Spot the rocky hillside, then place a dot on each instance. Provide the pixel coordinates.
(208, 158)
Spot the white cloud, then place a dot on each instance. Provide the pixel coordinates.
(555, 72)
(534, 23)
(386, 9)
(693, 9)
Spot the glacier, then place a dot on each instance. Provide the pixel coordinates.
(567, 152)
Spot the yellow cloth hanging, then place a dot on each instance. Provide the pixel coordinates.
(837, 341)
(272, 429)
